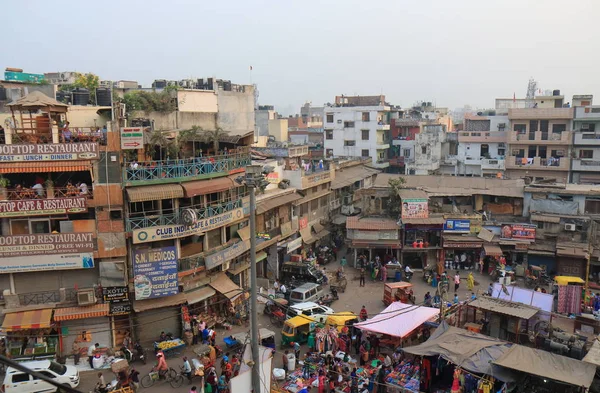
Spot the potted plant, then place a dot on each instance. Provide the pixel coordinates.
(49, 188)
(4, 183)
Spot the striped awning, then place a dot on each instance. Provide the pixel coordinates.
(152, 193)
(71, 313)
(35, 319)
(492, 250)
(45, 166)
(201, 187)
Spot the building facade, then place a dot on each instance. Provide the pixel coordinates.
(585, 164)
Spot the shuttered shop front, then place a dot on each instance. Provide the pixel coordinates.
(149, 324)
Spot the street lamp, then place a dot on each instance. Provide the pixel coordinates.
(254, 179)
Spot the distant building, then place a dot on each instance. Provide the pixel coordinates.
(585, 166)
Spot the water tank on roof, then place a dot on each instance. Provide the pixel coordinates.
(555, 92)
(63, 96)
(103, 97)
(81, 96)
(429, 104)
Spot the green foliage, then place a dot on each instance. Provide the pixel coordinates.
(149, 101)
(213, 137)
(4, 182)
(394, 204)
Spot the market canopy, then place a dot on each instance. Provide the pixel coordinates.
(468, 350)
(548, 365)
(399, 319)
(223, 284)
(82, 312)
(35, 319)
(593, 355)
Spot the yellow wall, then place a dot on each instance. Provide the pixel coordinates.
(86, 116)
(279, 129)
(197, 101)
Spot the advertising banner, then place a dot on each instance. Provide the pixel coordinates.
(457, 226)
(122, 308)
(230, 252)
(155, 272)
(47, 262)
(45, 244)
(115, 294)
(415, 208)
(49, 152)
(132, 138)
(176, 231)
(518, 231)
(42, 207)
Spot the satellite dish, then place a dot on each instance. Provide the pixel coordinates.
(189, 217)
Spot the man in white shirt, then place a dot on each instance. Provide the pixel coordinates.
(83, 189)
(283, 289)
(91, 350)
(39, 190)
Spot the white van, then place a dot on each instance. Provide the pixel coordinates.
(16, 381)
(311, 309)
(307, 292)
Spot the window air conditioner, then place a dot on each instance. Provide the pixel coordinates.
(86, 297)
(570, 227)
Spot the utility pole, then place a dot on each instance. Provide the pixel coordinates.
(590, 251)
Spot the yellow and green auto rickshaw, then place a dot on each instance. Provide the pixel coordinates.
(297, 329)
(341, 319)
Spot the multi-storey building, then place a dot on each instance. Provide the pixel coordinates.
(358, 127)
(585, 165)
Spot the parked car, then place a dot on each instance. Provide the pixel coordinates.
(310, 309)
(300, 272)
(308, 292)
(16, 381)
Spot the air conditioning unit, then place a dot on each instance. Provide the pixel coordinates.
(86, 297)
(501, 126)
(585, 126)
(570, 227)
(226, 265)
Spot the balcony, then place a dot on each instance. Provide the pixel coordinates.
(540, 113)
(381, 163)
(482, 136)
(397, 161)
(581, 164)
(539, 137)
(450, 160)
(174, 171)
(302, 179)
(492, 164)
(381, 126)
(45, 297)
(538, 163)
(155, 219)
(586, 138)
(587, 113)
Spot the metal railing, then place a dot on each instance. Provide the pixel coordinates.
(185, 168)
(60, 192)
(190, 263)
(157, 219)
(44, 135)
(26, 299)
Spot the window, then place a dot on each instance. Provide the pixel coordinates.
(329, 134)
(40, 226)
(364, 153)
(366, 116)
(364, 135)
(501, 151)
(533, 125)
(558, 128)
(324, 187)
(19, 227)
(214, 238)
(540, 224)
(314, 205)
(592, 206)
(586, 154)
(20, 378)
(330, 118)
(348, 124)
(520, 128)
(349, 143)
(423, 149)
(323, 201)
(406, 153)
(304, 209)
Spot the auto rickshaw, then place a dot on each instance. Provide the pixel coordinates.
(297, 330)
(537, 276)
(341, 319)
(398, 292)
(568, 280)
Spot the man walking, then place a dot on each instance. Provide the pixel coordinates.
(456, 281)
(362, 277)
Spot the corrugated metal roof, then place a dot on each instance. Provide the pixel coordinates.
(504, 307)
(154, 192)
(348, 176)
(272, 203)
(371, 223)
(412, 194)
(421, 221)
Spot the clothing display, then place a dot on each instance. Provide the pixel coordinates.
(569, 299)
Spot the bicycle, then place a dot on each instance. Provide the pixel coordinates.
(153, 376)
(179, 378)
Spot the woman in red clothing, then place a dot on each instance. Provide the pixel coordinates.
(322, 382)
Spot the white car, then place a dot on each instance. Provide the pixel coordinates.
(311, 309)
(17, 381)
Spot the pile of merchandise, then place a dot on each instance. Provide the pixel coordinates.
(406, 374)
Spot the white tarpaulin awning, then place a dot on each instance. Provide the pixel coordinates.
(399, 319)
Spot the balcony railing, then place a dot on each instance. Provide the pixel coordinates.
(155, 219)
(190, 263)
(36, 135)
(542, 136)
(190, 168)
(27, 299)
(16, 194)
(586, 165)
(559, 163)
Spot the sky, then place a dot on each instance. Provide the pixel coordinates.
(451, 52)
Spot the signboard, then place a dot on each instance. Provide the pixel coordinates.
(518, 231)
(47, 262)
(42, 207)
(49, 152)
(155, 272)
(132, 138)
(463, 245)
(294, 245)
(303, 223)
(167, 232)
(45, 244)
(115, 294)
(273, 178)
(415, 208)
(122, 308)
(233, 251)
(457, 226)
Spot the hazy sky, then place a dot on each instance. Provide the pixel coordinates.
(452, 52)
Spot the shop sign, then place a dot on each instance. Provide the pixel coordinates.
(132, 138)
(47, 262)
(366, 235)
(155, 272)
(294, 245)
(518, 231)
(233, 251)
(521, 247)
(115, 294)
(49, 152)
(42, 207)
(273, 177)
(462, 245)
(415, 208)
(286, 229)
(123, 308)
(167, 232)
(303, 222)
(46, 244)
(457, 226)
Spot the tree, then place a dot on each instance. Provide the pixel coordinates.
(214, 137)
(158, 138)
(88, 81)
(394, 204)
(186, 136)
(149, 101)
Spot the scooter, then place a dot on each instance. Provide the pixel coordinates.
(408, 276)
(334, 294)
(139, 353)
(112, 385)
(326, 300)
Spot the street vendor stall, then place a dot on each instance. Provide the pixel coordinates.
(30, 334)
(397, 292)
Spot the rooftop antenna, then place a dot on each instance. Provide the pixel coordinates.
(530, 97)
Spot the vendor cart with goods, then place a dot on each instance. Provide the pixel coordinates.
(266, 338)
(275, 304)
(338, 283)
(398, 292)
(207, 354)
(170, 348)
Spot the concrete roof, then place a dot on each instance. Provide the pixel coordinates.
(456, 185)
(371, 223)
(505, 307)
(568, 189)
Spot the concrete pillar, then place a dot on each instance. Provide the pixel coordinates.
(55, 136)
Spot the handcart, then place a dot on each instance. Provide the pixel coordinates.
(338, 284)
(170, 348)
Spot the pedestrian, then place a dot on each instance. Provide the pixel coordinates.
(375, 344)
(322, 382)
(284, 359)
(363, 313)
(134, 376)
(455, 301)
(427, 300)
(364, 353)
(434, 280)
(381, 386)
(195, 331)
(343, 262)
(383, 273)
(297, 351)
(362, 277)
(91, 350)
(456, 281)
(473, 297)
(187, 369)
(470, 281)
(490, 289)
(75, 350)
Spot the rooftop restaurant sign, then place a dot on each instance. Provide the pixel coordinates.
(42, 207)
(46, 244)
(49, 152)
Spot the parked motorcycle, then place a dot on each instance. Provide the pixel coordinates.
(138, 353)
(326, 300)
(428, 273)
(408, 276)
(334, 294)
